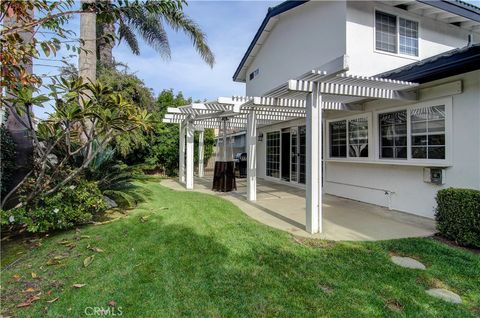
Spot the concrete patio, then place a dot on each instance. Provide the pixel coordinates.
(283, 207)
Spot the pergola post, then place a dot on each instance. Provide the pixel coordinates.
(201, 172)
(181, 163)
(314, 160)
(189, 166)
(251, 156)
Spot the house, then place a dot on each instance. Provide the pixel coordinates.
(374, 101)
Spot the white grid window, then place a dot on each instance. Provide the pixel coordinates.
(395, 35)
(393, 135)
(358, 137)
(338, 139)
(348, 138)
(386, 32)
(408, 31)
(428, 132)
(273, 154)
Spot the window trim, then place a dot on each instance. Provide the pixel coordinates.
(397, 16)
(409, 160)
(368, 116)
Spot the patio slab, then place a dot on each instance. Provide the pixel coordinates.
(283, 207)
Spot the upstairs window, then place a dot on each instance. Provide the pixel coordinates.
(253, 74)
(395, 35)
(385, 32)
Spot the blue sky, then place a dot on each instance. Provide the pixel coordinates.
(230, 27)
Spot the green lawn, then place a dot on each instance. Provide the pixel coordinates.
(190, 254)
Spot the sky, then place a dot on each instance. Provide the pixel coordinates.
(230, 27)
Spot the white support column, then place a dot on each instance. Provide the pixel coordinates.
(189, 166)
(181, 162)
(251, 156)
(314, 161)
(200, 154)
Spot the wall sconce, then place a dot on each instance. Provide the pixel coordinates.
(260, 137)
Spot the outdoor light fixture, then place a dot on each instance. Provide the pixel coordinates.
(260, 137)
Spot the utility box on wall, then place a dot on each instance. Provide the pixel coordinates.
(434, 175)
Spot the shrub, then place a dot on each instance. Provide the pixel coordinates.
(72, 205)
(7, 159)
(458, 215)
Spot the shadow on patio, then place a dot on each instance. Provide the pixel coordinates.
(283, 207)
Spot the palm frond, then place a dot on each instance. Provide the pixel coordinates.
(125, 33)
(179, 21)
(150, 28)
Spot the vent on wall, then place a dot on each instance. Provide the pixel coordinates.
(253, 74)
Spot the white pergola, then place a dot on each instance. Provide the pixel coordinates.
(327, 87)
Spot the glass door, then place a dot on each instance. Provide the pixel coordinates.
(294, 154)
(302, 140)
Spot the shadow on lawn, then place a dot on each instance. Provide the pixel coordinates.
(184, 273)
(160, 268)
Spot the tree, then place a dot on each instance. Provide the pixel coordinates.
(59, 155)
(149, 25)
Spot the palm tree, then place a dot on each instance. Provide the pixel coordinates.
(149, 23)
(88, 54)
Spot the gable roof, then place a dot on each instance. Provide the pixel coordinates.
(450, 63)
(457, 7)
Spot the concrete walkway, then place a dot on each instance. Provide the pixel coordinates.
(283, 207)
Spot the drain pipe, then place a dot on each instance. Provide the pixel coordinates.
(389, 199)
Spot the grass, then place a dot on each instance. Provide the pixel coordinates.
(191, 254)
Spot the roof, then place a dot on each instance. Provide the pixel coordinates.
(450, 63)
(457, 7)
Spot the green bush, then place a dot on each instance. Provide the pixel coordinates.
(458, 215)
(7, 159)
(72, 205)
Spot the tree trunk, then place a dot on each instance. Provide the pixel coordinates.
(106, 42)
(87, 61)
(19, 133)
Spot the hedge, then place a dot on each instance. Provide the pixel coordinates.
(458, 215)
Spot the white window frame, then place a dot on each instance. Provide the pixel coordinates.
(367, 116)
(397, 16)
(409, 160)
(280, 153)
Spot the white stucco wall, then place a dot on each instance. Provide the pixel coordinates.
(434, 37)
(367, 181)
(412, 194)
(303, 38)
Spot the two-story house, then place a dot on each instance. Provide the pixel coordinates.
(392, 152)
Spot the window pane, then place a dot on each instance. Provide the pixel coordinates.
(338, 138)
(393, 134)
(430, 132)
(273, 154)
(408, 37)
(358, 137)
(385, 32)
